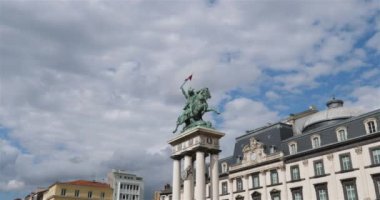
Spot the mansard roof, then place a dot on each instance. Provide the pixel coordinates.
(323, 124)
(270, 136)
(355, 130)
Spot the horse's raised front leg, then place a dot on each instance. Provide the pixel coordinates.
(175, 130)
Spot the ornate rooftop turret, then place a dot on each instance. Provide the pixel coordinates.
(334, 103)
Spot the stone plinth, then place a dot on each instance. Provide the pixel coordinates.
(195, 144)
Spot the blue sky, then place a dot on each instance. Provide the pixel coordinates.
(90, 86)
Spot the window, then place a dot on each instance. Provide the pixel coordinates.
(345, 162)
(375, 155)
(89, 195)
(76, 193)
(292, 148)
(224, 167)
(63, 192)
(295, 172)
(321, 191)
(239, 184)
(255, 180)
(316, 141)
(256, 196)
(224, 188)
(273, 177)
(239, 197)
(297, 193)
(272, 149)
(341, 134)
(349, 189)
(275, 195)
(376, 182)
(370, 125)
(318, 168)
(102, 195)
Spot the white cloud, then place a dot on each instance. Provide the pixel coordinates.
(272, 95)
(13, 185)
(366, 98)
(374, 42)
(86, 84)
(244, 114)
(371, 73)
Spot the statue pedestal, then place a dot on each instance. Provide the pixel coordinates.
(195, 144)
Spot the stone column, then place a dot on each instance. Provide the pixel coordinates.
(333, 183)
(214, 176)
(188, 183)
(200, 180)
(363, 176)
(231, 188)
(282, 170)
(246, 184)
(176, 179)
(118, 190)
(304, 168)
(263, 183)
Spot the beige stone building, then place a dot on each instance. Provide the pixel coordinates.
(80, 189)
(332, 154)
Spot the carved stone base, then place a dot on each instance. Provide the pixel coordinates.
(200, 123)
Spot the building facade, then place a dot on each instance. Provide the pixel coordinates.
(79, 189)
(36, 195)
(126, 186)
(165, 194)
(332, 154)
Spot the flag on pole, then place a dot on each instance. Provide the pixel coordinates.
(189, 78)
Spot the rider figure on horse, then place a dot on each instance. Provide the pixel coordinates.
(196, 106)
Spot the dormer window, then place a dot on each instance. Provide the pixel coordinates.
(292, 148)
(341, 134)
(272, 149)
(370, 125)
(315, 141)
(224, 167)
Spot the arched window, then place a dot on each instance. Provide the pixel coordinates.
(239, 197)
(370, 125)
(315, 141)
(256, 196)
(292, 147)
(341, 133)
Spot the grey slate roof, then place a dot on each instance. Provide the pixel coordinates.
(280, 134)
(270, 135)
(355, 128)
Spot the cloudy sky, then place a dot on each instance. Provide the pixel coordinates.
(87, 86)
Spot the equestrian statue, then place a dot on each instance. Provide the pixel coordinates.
(196, 106)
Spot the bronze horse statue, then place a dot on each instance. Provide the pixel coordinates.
(195, 108)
